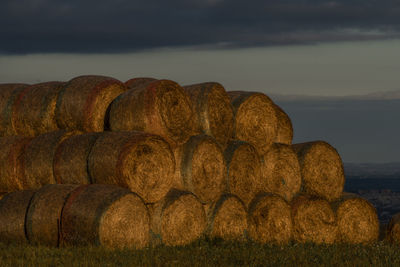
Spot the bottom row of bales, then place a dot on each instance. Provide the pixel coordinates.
(115, 217)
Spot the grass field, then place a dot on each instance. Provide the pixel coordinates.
(206, 253)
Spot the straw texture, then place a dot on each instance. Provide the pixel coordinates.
(139, 81)
(285, 129)
(393, 230)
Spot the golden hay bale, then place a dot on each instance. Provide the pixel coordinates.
(34, 112)
(11, 176)
(13, 207)
(269, 219)
(177, 219)
(161, 107)
(140, 81)
(44, 214)
(280, 171)
(139, 161)
(214, 110)
(70, 164)
(285, 129)
(255, 119)
(83, 102)
(104, 215)
(321, 169)
(393, 230)
(227, 219)
(201, 168)
(244, 170)
(313, 220)
(357, 220)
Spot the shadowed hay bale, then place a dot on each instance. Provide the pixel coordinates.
(393, 230)
(70, 164)
(34, 112)
(280, 171)
(44, 214)
(214, 110)
(13, 207)
(321, 169)
(285, 129)
(177, 219)
(11, 176)
(161, 107)
(201, 168)
(2, 194)
(227, 219)
(105, 215)
(139, 161)
(313, 220)
(357, 220)
(140, 81)
(255, 119)
(244, 170)
(83, 102)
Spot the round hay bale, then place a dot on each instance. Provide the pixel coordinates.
(214, 110)
(280, 171)
(34, 112)
(321, 169)
(177, 219)
(104, 215)
(140, 81)
(44, 214)
(201, 168)
(269, 219)
(357, 220)
(13, 207)
(285, 128)
(83, 102)
(139, 161)
(393, 229)
(70, 164)
(161, 107)
(255, 119)
(244, 170)
(313, 220)
(227, 219)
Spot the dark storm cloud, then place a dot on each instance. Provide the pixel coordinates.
(122, 25)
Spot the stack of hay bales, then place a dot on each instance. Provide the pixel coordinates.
(146, 162)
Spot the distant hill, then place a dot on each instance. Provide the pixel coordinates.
(372, 170)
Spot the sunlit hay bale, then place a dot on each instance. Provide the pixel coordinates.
(285, 129)
(321, 169)
(393, 230)
(213, 109)
(13, 207)
(140, 81)
(313, 220)
(201, 168)
(105, 215)
(280, 171)
(43, 215)
(11, 176)
(177, 219)
(139, 161)
(83, 103)
(255, 119)
(244, 170)
(161, 107)
(70, 164)
(37, 158)
(9, 93)
(34, 111)
(357, 220)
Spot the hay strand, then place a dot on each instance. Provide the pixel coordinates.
(139, 81)
(285, 128)
(393, 230)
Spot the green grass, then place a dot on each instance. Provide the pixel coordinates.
(206, 253)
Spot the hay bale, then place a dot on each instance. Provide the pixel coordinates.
(44, 214)
(140, 81)
(13, 207)
(285, 128)
(357, 220)
(139, 161)
(2, 194)
(321, 169)
(83, 102)
(161, 107)
(255, 119)
(70, 164)
(313, 220)
(34, 112)
(177, 219)
(280, 171)
(244, 170)
(213, 109)
(393, 229)
(104, 215)
(201, 168)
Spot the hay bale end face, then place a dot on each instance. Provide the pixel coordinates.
(393, 230)
(140, 81)
(285, 129)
